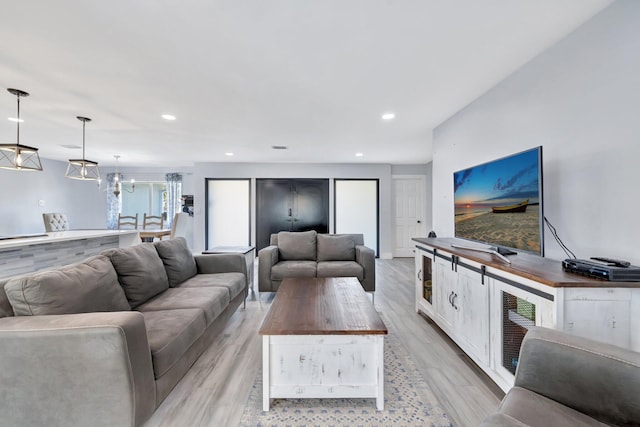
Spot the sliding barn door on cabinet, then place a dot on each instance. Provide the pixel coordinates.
(290, 205)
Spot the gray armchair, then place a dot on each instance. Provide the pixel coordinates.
(564, 380)
(309, 254)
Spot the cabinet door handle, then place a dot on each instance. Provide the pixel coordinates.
(451, 298)
(420, 275)
(455, 297)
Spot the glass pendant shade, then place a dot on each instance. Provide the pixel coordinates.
(82, 168)
(17, 156)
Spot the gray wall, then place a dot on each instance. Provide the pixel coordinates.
(85, 204)
(297, 170)
(580, 100)
(82, 201)
(21, 213)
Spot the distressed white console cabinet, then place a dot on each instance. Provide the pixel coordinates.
(486, 305)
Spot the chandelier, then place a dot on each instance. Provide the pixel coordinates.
(116, 179)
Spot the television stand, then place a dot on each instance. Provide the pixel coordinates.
(492, 251)
(503, 251)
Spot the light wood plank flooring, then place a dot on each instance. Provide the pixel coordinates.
(214, 391)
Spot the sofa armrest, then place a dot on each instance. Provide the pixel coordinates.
(366, 257)
(221, 263)
(597, 379)
(267, 258)
(76, 369)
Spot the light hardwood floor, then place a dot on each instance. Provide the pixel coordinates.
(214, 391)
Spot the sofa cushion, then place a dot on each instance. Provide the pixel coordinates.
(5, 306)
(170, 334)
(340, 269)
(336, 248)
(536, 410)
(177, 259)
(140, 272)
(297, 245)
(211, 300)
(80, 288)
(233, 282)
(285, 269)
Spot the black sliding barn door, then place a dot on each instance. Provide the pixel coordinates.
(291, 205)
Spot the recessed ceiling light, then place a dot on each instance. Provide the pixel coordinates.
(15, 120)
(229, 153)
(359, 154)
(388, 116)
(168, 117)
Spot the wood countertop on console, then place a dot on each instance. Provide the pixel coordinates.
(322, 306)
(534, 267)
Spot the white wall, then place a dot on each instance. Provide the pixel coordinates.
(294, 170)
(580, 100)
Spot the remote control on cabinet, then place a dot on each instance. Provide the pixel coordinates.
(611, 261)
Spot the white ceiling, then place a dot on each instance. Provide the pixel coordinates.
(244, 75)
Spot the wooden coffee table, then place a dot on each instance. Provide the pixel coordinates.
(322, 337)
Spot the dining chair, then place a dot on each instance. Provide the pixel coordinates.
(182, 227)
(55, 221)
(152, 222)
(127, 222)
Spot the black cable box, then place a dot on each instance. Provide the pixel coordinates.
(601, 270)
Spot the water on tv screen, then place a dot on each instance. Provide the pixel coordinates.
(500, 202)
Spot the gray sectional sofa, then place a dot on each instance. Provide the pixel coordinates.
(103, 342)
(309, 254)
(565, 380)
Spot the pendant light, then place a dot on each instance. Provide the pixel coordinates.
(82, 168)
(17, 156)
(116, 179)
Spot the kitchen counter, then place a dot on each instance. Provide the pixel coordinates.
(35, 252)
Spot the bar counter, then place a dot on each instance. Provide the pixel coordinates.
(35, 252)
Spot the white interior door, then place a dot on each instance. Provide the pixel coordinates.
(408, 198)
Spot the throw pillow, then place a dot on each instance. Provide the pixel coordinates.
(140, 272)
(81, 288)
(177, 259)
(336, 248)
(297, 245)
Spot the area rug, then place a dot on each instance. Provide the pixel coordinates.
(408, 401)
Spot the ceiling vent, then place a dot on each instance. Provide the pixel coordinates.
(279, 147)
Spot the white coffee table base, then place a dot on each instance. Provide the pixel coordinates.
(323, 366)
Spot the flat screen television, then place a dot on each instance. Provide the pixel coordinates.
(500, 203)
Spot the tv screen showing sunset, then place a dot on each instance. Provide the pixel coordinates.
(499, 202)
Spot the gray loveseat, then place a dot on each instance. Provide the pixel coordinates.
(309, 254)
(103, 342)
(564, 380)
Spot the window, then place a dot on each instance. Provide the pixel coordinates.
(228, 212)
(148, 197)
(356, 209)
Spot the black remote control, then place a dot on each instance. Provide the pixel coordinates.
(615, 262)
